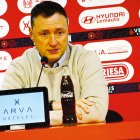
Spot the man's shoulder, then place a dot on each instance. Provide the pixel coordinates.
(76, 46)
(30, 51)
(27, 54)
(82, 56)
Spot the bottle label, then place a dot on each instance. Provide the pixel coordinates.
(67, 94)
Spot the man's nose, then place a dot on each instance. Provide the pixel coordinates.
(52, 41)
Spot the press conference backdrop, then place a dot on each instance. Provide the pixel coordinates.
(111, 28)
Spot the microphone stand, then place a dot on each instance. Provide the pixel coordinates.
(39, 76)
(44, 60)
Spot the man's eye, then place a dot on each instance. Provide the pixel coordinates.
(44, 34)
(59, 33)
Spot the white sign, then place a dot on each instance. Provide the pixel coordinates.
(3, 7)
(93, 3)
(25, 24)
(118, 71)
(111, 50)
(5, 59)
(103, 18)
(4, 28)
(26, 6)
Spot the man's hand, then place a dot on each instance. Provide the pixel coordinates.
(56, 105)
(84, 104)
(81, 103)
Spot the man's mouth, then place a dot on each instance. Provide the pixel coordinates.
(53, 51)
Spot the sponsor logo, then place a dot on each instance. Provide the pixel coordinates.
(124, 88)
(4, 28)
(12, 43)
(3, 7)
(26, 6)
(111, 50)
(88, 19)
(135, 31)
(4, 44)
(93, 3)
(118, 72)
(8, 43)
(16, 112)
(67, 94)
(91, 35)
(104, 17)
(27, 3)
(5, 59)
(111, 89)
(24, 25)
(97, 35)
(131, 32)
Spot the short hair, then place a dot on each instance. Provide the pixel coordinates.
(47, 9)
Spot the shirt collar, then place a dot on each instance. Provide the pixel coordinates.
(60, 61)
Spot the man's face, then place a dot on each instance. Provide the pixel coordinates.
(50, 36)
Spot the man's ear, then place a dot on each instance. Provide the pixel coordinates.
(31, 33)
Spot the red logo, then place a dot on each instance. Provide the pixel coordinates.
(26, 25)
(12, 43)
(27, 3)
(99, 35)
(115, 71)
(4, 44)
(131, 32)
(1, 27)
(91, 35)
(88, 19)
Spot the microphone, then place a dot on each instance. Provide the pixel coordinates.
(44, 61)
